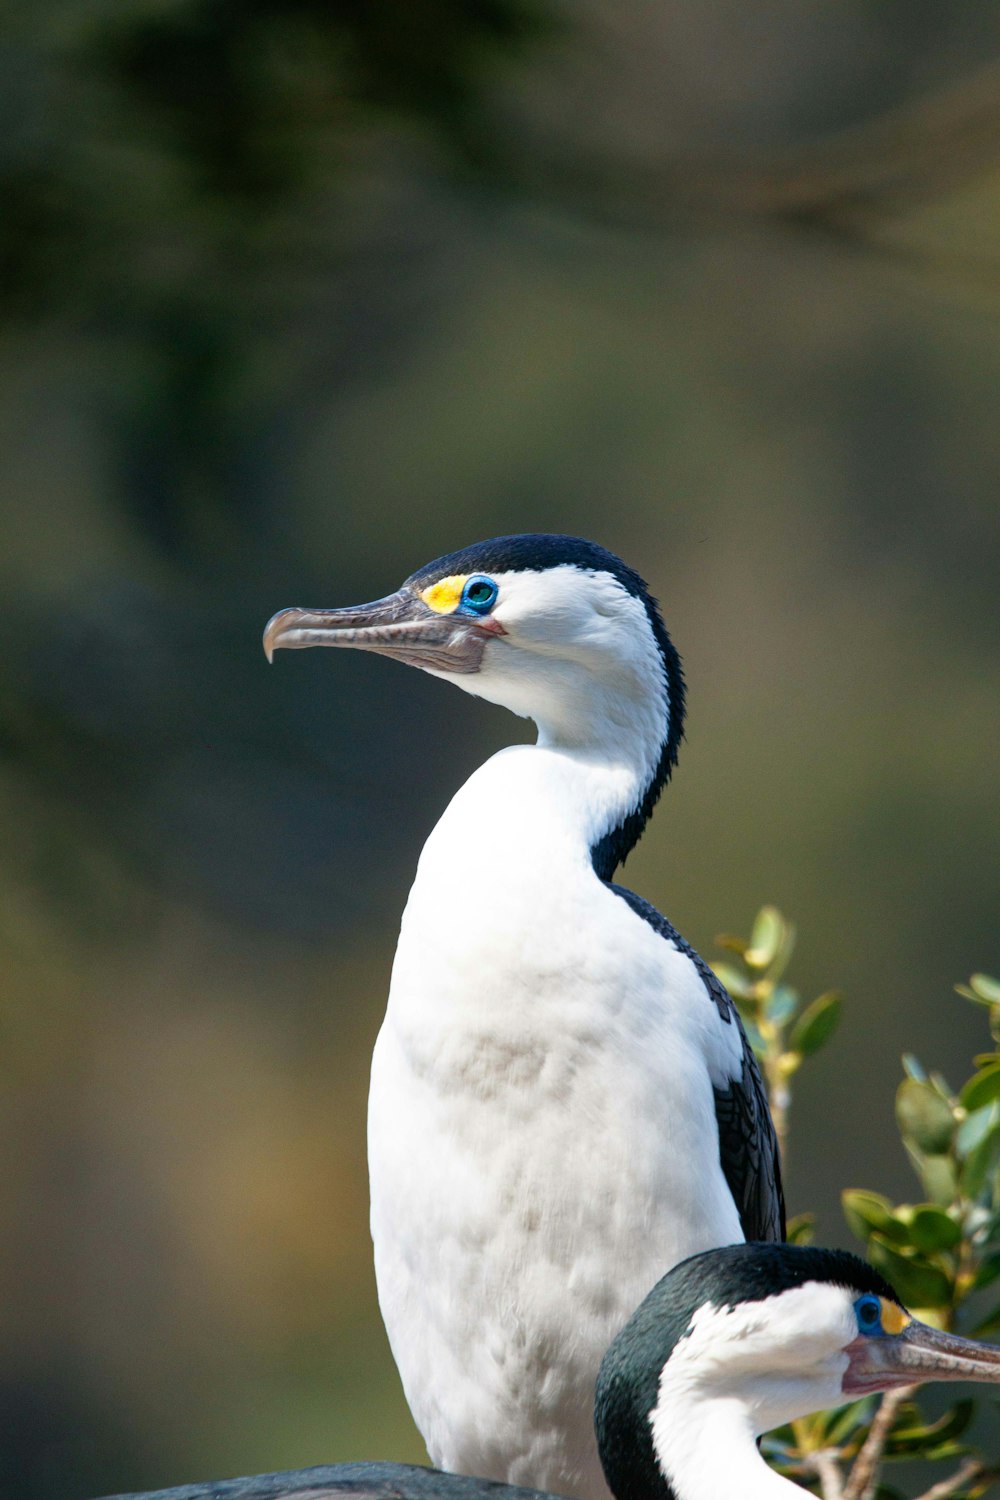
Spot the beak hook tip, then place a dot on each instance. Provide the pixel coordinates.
(272, 633)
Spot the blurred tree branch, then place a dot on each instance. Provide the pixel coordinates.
(846, 183)
(972, 1471)
(137, 122)
(863, 1480)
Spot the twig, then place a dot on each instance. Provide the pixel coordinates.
(973, 1468)
(864, 1475)
(825, 1465)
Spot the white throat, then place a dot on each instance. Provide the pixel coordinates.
(707, 1450)
(742, 1371)
(597, 692)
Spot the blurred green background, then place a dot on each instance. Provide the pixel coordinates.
(294, 298)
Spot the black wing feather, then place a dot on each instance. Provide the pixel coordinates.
(748, 1145)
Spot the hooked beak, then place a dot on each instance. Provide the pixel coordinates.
(401, 625)
(919, 1353)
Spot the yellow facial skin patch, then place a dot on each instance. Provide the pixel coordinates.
(894, 1319)
(445, 596)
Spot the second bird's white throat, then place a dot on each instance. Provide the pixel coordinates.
(739, 1372)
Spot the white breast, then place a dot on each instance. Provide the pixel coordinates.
(542, 1138)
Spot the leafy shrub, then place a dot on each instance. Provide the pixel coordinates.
(941, 1254)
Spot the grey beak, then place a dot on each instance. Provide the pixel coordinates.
(919, 1353)
(401, 626)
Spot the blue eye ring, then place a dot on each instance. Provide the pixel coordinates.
(868, 1311)
(479, 594)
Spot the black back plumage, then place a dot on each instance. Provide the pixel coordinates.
(535, 552)
(748, 1145)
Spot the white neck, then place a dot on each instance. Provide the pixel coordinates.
(539, 807)
(603, 759)
(707, 1450)
(742, 1370)
(600, 786)
(594, 681)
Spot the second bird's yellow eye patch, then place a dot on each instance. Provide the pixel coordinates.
(445, 596)
(894, 1319)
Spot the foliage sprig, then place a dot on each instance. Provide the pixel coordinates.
(942, 1254)
(782, 1033)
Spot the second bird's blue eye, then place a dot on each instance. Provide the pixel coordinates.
(479, 595)
(868, 1311)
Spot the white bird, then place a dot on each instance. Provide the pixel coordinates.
(727, 1346)
(563, 1101)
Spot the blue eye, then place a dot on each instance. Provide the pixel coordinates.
(479, 595)
(868, 1311)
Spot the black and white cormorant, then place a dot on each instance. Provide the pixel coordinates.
(563, 1101)
(728, 1345)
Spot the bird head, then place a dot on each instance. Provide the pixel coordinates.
(554, 628)
(770, 1331)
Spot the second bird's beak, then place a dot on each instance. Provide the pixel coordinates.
(401, 625)
(880, 1361)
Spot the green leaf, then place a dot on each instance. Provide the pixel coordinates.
(937, 1173)
(975, 1126)
(981, 1162)
(987, 1273)
(916, 1281)
(981, 1089)
(985, 989)
(899, 1229)
(942, 1086)
(816, 1024)
(924, 1117)
(800, 1229)
(865, 1212)
(920, 1436)
(732, 943)
(768, 936)
(932, 1229)
(912, 1068)
(782, 1005)
(939, 1451)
